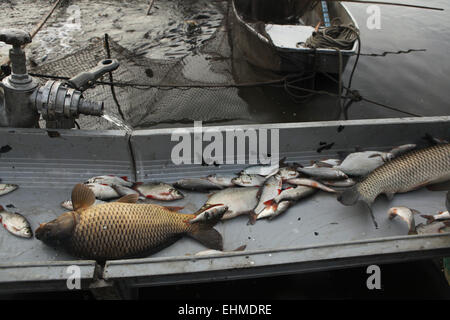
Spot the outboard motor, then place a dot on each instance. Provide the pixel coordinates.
(23, 100)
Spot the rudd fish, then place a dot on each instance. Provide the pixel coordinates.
(437, 217)
(238, 200)
(328, 163)
(222, 180)
(363, 163)
(249, 180)
(7, 188)
(323, 172)
(68, 204)
(407, 215)
(197, 184)
(209, 213)
(159, 191)
(434, 227)
(295, 194)
(274, 210)
(262, 170)
(408, 172)
(270, 189)
(103, 192)
(111, 180)
(287, 173)
(310, 183)
(209, 252)
(122, 229)
(15, 223)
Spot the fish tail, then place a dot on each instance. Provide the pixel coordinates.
(206, 235)
(350, 196)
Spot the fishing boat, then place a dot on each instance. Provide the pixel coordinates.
(272, 34)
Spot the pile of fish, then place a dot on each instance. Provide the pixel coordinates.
(101, 230)
(438, 223)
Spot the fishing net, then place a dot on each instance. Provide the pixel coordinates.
(187, 88)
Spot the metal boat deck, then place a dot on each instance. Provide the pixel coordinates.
(317, 233)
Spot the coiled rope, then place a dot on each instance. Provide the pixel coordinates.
(337, 36)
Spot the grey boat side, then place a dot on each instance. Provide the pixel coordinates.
(327, 236)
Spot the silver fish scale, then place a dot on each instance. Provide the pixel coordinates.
(407, 172)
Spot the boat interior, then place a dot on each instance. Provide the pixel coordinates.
(291, 23)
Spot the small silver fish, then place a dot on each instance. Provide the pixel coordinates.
(262, 170)
(323, 173)
(68, 204)
(110, 180)
(328, 163)
(437, 217)
(103, 192)
(363, 163)
(222, 180)
(274, 210)
(238, 200)
(310, 183)
(407, 215)
(270, 189)
(123, 191)
(7, 188)
(294, 194)
(434, 227)
(340, 183)
(211, 251)
(197, 184)
(249, 180)
(209, 213)
(159, 191)
(15, 223)
(287, 173)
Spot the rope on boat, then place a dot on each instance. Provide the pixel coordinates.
(334, 37)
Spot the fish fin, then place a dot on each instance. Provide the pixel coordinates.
(252, 218)
(268, 203)
(414, 211)
(124, 178)
(430, 219)
(349, 197)
(172, 208)
(82, 197)
(206, 235)
(442, 186)
(129, 198)
(241, 248)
